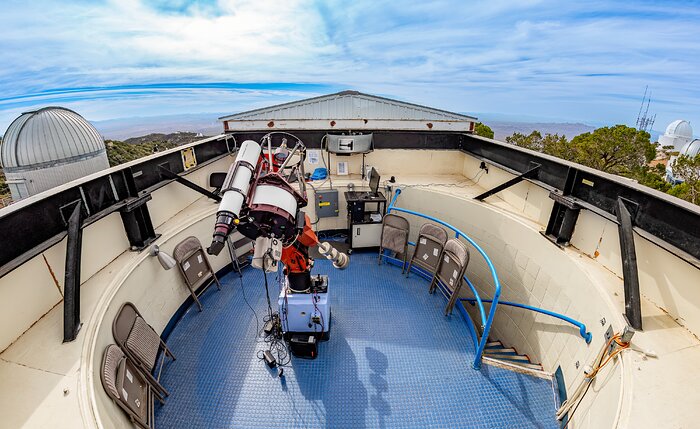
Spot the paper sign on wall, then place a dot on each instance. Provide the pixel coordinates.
(313, 156)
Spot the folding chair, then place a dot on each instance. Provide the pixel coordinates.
(141, 344)
(125, 384)
(431, 240)
(450, 271)
(194, 267)
(394, 237)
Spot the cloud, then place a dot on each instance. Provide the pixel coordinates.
(585, 61)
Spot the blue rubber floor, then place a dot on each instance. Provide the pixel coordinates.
(393, 361)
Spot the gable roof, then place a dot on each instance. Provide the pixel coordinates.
(348, 109)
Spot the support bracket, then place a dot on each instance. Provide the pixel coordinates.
(165, 172)
(562, 220)
(71, 286)
(531, 173)
(135, 215)
(630, 275)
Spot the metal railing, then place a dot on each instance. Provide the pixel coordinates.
(486, 321)
(583, 331)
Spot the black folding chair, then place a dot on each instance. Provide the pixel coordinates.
(450, 272)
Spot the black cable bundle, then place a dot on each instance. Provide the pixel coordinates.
(273, 337)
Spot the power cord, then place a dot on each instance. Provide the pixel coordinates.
(274, 338)
(599, 363)
(257, 320)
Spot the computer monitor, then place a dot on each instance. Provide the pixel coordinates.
(374, 181)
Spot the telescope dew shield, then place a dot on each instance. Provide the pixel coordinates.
(235, 189)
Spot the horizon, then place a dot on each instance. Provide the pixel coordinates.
(534, 61)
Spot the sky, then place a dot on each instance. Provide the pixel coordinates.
(577, 61)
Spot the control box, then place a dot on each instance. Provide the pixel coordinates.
(308, 313)
(326, 203)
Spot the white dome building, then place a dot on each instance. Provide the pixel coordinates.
(48, 147)
(678, 134)
(691, 149)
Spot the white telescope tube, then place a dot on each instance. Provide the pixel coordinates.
(235, 189)
(237, 180)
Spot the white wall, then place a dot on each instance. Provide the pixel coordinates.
(531, 271)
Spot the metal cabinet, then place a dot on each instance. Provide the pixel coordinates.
(365, 214)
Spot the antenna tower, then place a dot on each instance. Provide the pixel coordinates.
(644, 121)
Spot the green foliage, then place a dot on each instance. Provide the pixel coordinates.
(689, 170)
(652, 177)
(551, 144)
(120, 152)
(483, 130)
(4, 189)
(618, 150)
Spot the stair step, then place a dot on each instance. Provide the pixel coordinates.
(494, 344)
(501, 350)
(510, 358)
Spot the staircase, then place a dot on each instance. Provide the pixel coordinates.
(496, 351)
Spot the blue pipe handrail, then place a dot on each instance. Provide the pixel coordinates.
(497, 293)
(583, 331)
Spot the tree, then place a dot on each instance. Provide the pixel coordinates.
(533, 141)
(618, 150)
(688, 168)
(4, 189)
(121, 152)
(483, 130)
(652, 177)
(551, 144)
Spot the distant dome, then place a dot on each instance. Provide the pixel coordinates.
(677, 134)
(691, 149)
(51, 135)
(680, 128)
(45, 148)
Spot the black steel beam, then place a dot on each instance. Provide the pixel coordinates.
(529, 174)
(630, 275)
(664, 220)
(39, 225)
(195, 187)
(562, 222)
(71, 285)
(382, 139)
(564, 215)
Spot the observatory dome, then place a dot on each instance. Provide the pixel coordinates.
(45, 148)
(691, 149)
(680, 128)
(678, 133)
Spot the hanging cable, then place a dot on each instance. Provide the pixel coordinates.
(600, 361)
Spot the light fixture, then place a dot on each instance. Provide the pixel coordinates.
(166, 261)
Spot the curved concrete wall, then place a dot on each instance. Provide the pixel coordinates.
(535, 272)
(157, 294)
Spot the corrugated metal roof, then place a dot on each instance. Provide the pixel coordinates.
(348, 105)
(48, 135)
